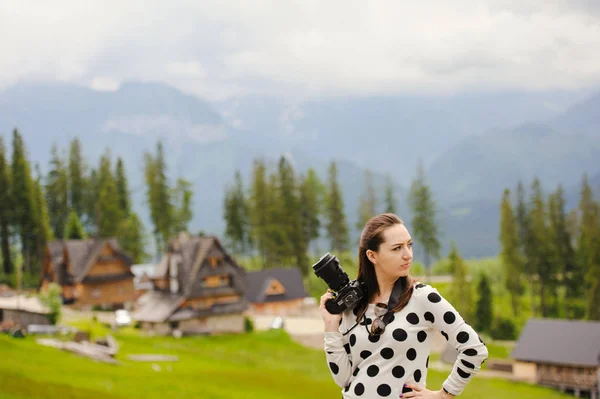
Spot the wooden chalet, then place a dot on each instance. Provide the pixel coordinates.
(563, 354)
(198, 289)
(277, 291)
(92, 273)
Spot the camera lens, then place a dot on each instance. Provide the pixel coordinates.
(328, 268)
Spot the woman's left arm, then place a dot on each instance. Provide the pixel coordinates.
(472, 352)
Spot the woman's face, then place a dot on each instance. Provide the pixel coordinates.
(394, 257)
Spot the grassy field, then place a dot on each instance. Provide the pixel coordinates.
(257, 365)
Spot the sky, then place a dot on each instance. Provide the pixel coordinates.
(223, 49)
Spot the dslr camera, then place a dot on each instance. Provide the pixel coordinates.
(346, 293)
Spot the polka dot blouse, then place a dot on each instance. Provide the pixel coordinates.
(370, 367)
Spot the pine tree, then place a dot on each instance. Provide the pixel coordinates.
(424, 212)
(461, 289)
(523, 223)
(510, 254)
(290, 220)
(588, 249)
(74, 229)
(44, 231)
(132, 238)
(57, 193)
(368, 202)
(108, 210)
(484, 314)
(562, 255)
(6, 211)
(389, 197)
(90, 200)
(312, 192)
(337, 227)
(77, 180)
(538, 248)
(258, 208)
(235, 209)
(24, 204)
(182, 205)
(122, 189)
(159, 198)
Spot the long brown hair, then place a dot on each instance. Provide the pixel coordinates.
(371, 239)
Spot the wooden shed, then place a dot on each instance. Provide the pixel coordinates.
(278, 291)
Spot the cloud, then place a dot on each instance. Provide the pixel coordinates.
(220, 49)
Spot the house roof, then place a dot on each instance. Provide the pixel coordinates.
(157, 306)
(568, 342)
(259, 282)
(23, 303)
(216, 309)
(82, 254)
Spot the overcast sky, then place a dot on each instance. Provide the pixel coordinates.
(226, 49)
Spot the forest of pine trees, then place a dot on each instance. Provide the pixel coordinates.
(551, 253)
(75, 200)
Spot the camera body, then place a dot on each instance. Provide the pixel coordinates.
(347, 293)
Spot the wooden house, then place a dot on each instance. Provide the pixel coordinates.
(20, 310)
(563, 354)
(198, 289)
(277, 291)
(92, 273)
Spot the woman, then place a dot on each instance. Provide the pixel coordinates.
(381, 347)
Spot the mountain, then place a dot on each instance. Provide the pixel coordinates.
(582, 118)
(482, 166)
(206, 142)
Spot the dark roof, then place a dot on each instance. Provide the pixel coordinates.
(216, 309)
(567, 342)
(157, 306)
(82, 254)
(259, 281)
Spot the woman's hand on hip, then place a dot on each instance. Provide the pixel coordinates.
(419, 392)
(332, 321)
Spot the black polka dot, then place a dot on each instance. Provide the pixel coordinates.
(356, 372)
(411, 354)
(421, 336)
(445, 335)
(347, 348)
(352, 340)
(347, 388)
(387, 353)
(421, 285)
(374, 338)
(340, 323)
(365, 354)
(427, 362)
(417, 375)
(355, 311)
(366, 321)
(462, 373)
(429, 317)
(470, 352)
(372, 371)
(449, 317)
(329, 352)
(398, 371)
(406, 389)
(467, 364)
(384, 390)
(334, 368)
(412, 318)
(399, 335)
(433, 297)
(462, 337)
(359, 389)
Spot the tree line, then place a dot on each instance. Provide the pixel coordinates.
(75, 200)
(553, 252)
(280, 214)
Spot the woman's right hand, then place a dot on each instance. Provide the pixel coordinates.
(332, 321)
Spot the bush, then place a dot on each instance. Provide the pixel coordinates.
(248, 324)
(51, 297)
(503, 329)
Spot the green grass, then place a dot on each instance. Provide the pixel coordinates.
(257, 365)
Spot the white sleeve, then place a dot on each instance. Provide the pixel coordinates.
(472, 352)
(337, 353)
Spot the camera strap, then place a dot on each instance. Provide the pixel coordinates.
(397, 291)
